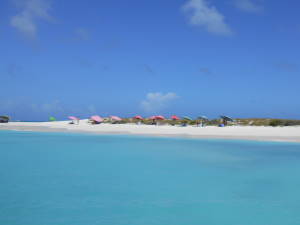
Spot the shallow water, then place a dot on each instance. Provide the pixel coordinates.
(74, 179)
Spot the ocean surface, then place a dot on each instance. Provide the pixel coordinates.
(76, 179)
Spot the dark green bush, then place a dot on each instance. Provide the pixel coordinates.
(276, 122)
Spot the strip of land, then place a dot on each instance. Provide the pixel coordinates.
(260, 133)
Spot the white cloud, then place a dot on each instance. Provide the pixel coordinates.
(200, 13)
(155, 102)
(248, 6)
(30, 12)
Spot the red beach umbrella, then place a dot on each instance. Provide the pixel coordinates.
(159, 117)
(97, 119)
(174, 117)
(138, 117)
(116, 118)
(73, 118)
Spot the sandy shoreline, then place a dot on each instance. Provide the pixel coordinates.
(285, 134)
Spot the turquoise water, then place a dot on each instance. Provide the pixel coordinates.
(74, 179)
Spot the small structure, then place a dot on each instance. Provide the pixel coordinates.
(4, 119)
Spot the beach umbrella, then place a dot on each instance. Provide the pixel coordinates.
(202, 118)
(227, 118)
(116, 118)
(152, 117)
(187, 118)
(51, 118)
(138, 117)
(159, 117)
(97, 118)
(73, 118)
(174, 117)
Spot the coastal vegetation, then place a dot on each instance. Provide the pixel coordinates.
(215, 122)
(4, 119)
(268, 122)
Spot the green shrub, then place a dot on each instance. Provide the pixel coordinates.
(276, 122)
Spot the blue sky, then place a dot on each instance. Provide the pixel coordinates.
(185, 57)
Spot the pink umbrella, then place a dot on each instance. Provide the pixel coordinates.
(138, 117)
(73, 118)
(152, 117)
(174, 117)
(159, 117)
(116, 118)
(97, 119)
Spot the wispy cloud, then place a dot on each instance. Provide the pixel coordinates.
(155, 102)
(248, 6)
(206, 71)
(201, 14)
(287, 66)
(82, 34)
(148, 69)
(13, 70)
(31, 11)
(51, 107)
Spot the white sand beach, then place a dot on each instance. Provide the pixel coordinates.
(286, 134)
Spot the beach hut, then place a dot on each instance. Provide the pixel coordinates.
(4, 119)
(115, 119)
(225, 120)
(96, 119)
(74, 120)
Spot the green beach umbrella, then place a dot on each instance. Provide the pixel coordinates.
(51, 118)
(202, 118)
(187, 118)
(227, 118)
